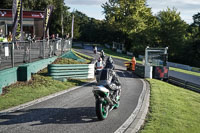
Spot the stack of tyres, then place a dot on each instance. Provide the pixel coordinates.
(160, 72)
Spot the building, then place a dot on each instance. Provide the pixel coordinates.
(32, 22)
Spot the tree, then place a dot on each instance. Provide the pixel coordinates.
(36, 4)
(80, 21)
(192, 49)
(131, 19)
(196, 19)
(172, 32)
(6, 4)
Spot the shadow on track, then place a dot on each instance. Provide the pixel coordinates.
(43, 116)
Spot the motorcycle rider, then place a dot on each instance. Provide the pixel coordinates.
(107, 93)
(99, 64)
(98, 68)
(109, 79)
(102, 55)
(95, 49)
(110, 63)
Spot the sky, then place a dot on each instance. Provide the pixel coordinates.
(92, 8)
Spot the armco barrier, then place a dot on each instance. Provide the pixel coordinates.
(7, 77)
(77, 71)
(185, 67)
(140, 70)
(184, 84)
(24, 72)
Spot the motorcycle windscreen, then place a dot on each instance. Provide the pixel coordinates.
(104, 77)
(104, 74)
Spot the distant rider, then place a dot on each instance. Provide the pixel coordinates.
(98, 68)
(95, 49)
(102, 55)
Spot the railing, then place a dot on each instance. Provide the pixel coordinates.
(13, 54)
(77, 71)
(184, 84)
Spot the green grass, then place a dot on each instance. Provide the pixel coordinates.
(184, 71)
(172, 109)
(67, 61)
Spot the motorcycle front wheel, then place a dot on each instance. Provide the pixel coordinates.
(101, 110)
(118, 100)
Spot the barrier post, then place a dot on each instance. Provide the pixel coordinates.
(12, 52)
(43, 49)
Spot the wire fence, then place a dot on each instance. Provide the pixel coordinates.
(14, 54)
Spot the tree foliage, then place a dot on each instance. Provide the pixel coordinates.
(6, 4)
(133, 21)
(192, 47)
(172, 31)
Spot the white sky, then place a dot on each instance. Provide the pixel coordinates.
(92, 8)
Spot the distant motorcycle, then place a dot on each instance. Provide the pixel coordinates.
(95, 50)
(107, 94)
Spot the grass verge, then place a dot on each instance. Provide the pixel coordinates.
(172, 109)
(68, 61)
(184, 71)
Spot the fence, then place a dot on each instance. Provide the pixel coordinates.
(184, 84)
(27, 51)
(78, 71)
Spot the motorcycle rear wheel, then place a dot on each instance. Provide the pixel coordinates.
(101, 110)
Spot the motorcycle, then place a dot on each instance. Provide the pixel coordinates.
(95, 50)
(106, 99)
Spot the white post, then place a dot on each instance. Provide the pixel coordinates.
(72, 34)
(148, 67)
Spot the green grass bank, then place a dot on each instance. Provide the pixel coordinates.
(172, 109)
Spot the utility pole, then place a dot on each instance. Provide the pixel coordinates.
(62, 30)
(72, 34)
